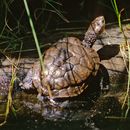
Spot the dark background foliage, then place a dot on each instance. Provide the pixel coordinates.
(45, 15)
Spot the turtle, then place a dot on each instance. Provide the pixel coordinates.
(67, 65)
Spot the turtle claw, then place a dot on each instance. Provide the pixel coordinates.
(41, 98)
(56, 104)
(53, 102)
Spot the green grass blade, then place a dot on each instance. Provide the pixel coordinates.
(34, 34)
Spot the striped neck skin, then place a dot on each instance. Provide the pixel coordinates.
(96, 28)
(89, 39)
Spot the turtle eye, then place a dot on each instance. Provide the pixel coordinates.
(97, 24)
(103, 21)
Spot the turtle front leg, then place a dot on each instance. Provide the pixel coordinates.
(27, 81)
(38, 85)
(42, 92)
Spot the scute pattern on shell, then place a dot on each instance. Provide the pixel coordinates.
(66, 66)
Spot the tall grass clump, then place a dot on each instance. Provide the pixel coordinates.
(126, 101)
(12, 35)
(13, 26)
(8, 35)
(9, 98)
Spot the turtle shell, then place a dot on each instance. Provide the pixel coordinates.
(67, 66)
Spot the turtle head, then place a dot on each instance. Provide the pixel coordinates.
(96, 27)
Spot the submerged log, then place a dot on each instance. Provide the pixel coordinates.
(113, 69)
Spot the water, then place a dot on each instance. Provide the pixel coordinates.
(34, 124)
